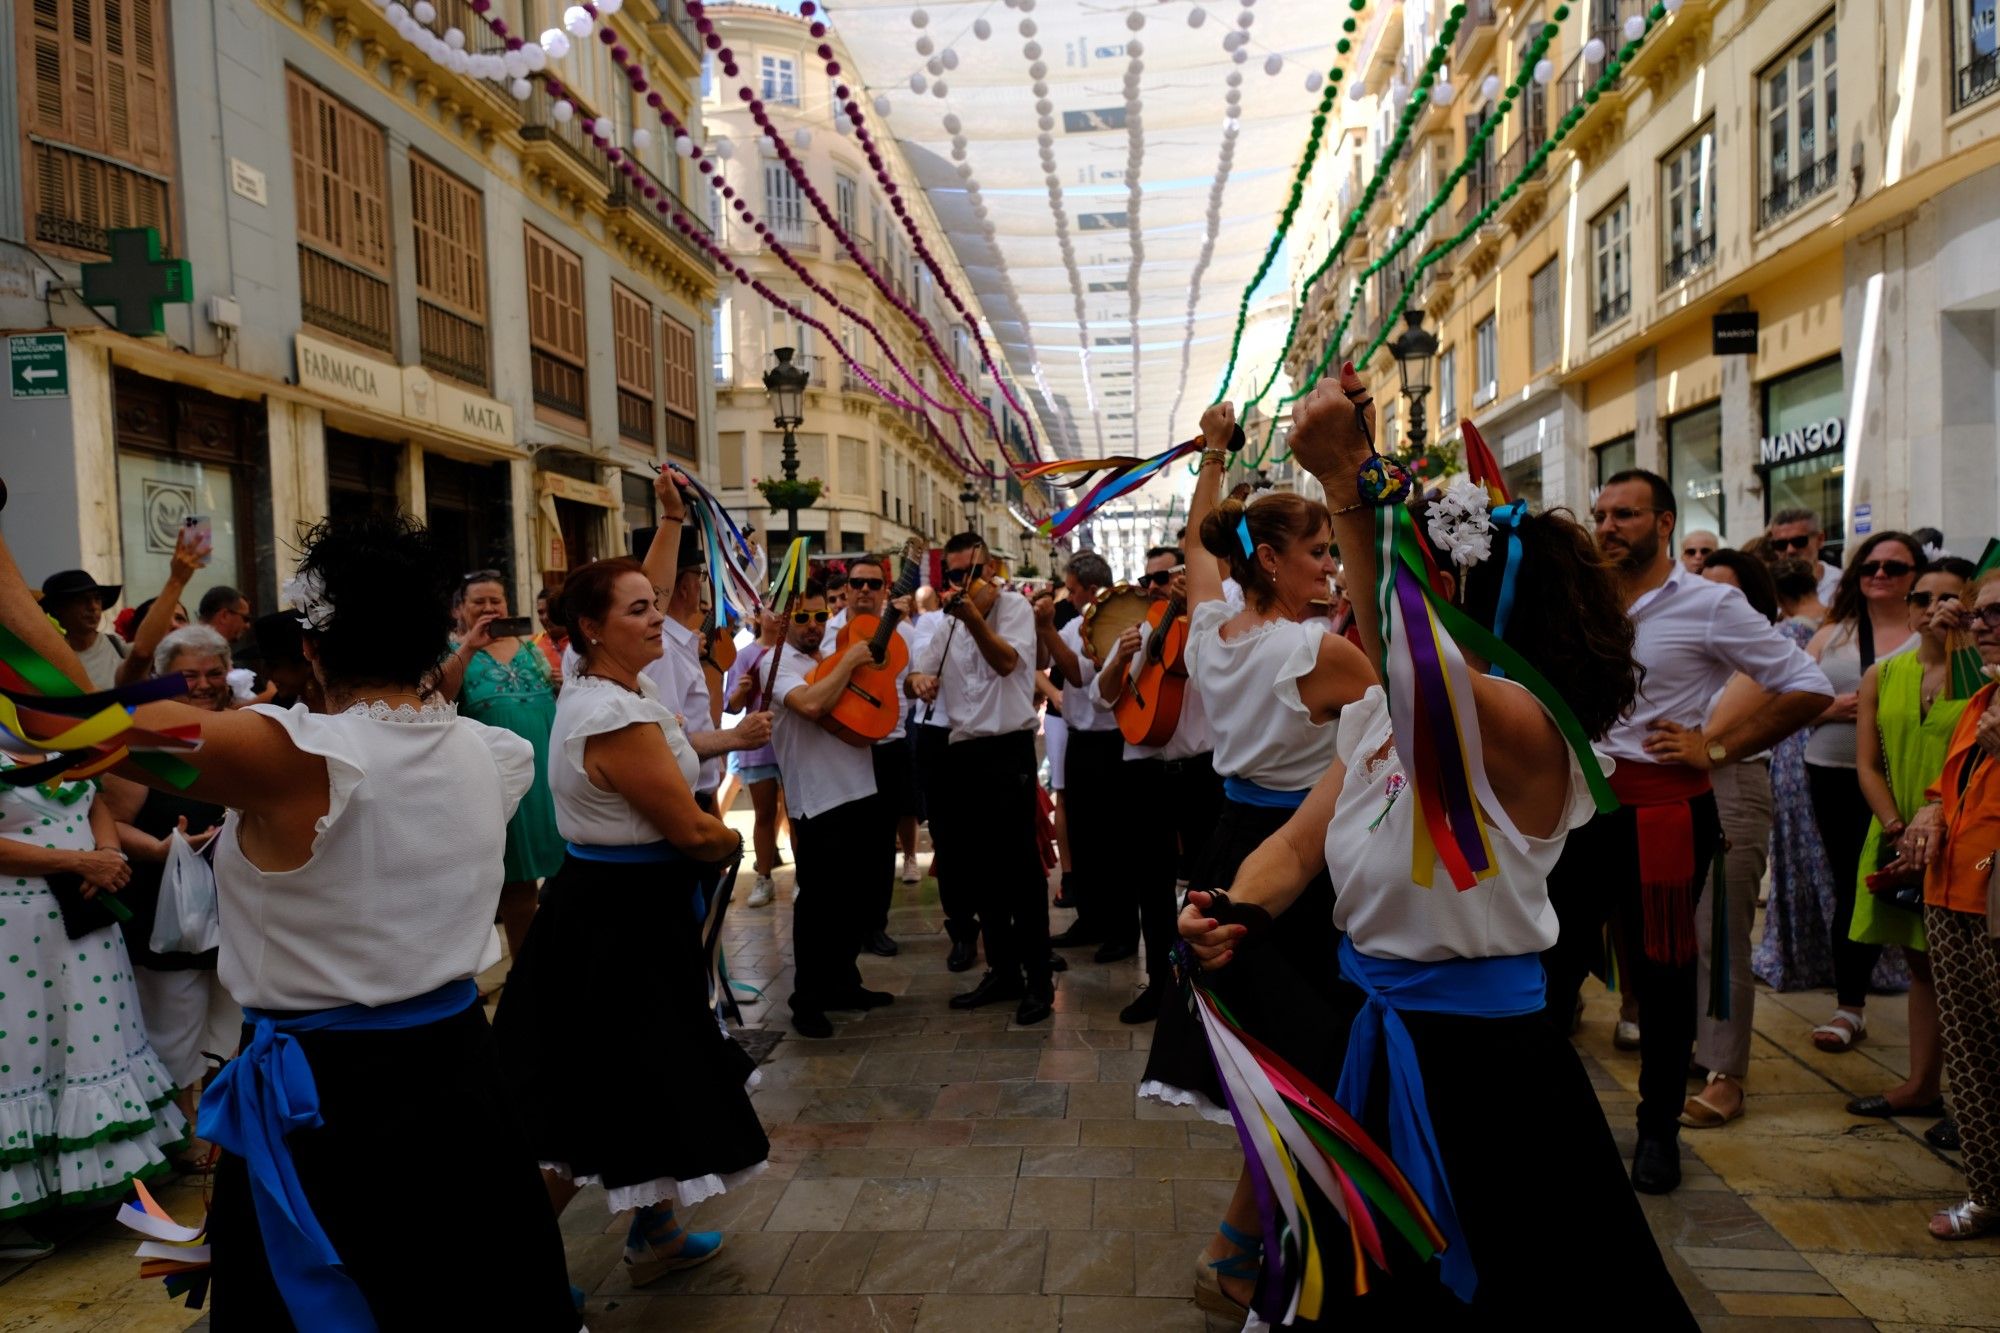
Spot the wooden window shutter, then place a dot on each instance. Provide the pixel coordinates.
(340, 164)
(450, 239)
(632, 333)
(555, 327)
(678, 341)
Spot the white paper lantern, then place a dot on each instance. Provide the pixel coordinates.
(982, 29)
(1197, 16)
(935, 66)
(424, 11)
(563, 110)
(602, 127)
(1134, 21)
(1028, 28)
(1032, 50)
(1442, 93)
(683, 146)
(1489, 87)
(882, 105)
(1356, 91)
(577, 22)
(725, 149)
(802, 138)
(609, 7)
(555, 43)
(1240, 55)
(918, 83)
(919, 19)
(939, 89)
(1593, 51)
(398, 14)
(454, 38)
(1635, 28)
(952, 124)
(1315, 81)
(521, 89)
(1672, 6)
(1273, 63)
(642, 138)
(1545, 70)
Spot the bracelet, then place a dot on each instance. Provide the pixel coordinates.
(1382, 481)
(1348, 509)
(1217, 456)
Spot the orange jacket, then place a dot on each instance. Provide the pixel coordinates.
(1970, 793)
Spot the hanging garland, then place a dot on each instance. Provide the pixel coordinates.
(1135, 155)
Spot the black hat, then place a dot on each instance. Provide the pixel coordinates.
(70, 582)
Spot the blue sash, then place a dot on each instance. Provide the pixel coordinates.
(268, 1092)
(639, 853)
(1477, 987)
(1245, 792)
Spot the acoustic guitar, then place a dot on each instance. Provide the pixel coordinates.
(869, 707)
(1150, 708)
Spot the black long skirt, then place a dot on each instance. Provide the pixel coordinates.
(423, 1180)
(606, 1035)
(1283, 987)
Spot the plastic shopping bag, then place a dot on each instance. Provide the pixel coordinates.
(186, 921)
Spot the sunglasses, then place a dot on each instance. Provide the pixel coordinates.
(1159, 578)
(1621, 514)
(811, 617)
(954, 577)
(1922, 600)
(1703, 551)
(1989, 616)
(1790, 543)
(1888, 569)
(865, 585)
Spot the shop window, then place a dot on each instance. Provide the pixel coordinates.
(1611, 264)
(1694, 466)
(183, 452)
(679, 391)
(1975, 55)
(340, 174)
(448, 225)
(469, 510)
(98, 105)
(1486, 362)
(1545, 315)
(1801, 126)
(1687, 207)
(632, 355)
(555, 334)
(781, 80)
(1800, 453)
(1611, 458)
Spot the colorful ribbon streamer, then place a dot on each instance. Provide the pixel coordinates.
(793, 571)
(1124, 474)
(82, 733)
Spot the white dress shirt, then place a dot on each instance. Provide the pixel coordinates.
(683, 687)
(1081, 709)
(821, 772)
(1191, 735)
(983, 702)
(1692, 633)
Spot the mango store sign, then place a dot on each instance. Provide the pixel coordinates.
(410, 393)
(1822, 437)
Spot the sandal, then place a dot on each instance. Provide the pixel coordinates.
(1966, 1220)
(1833, 1038)
(643, 1261)
(1883, 1108)
(1208, 1273)
(1699, 1113)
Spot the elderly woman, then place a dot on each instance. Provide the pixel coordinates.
(188, 1015)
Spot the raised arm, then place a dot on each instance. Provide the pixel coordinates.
(1218, 427)
(190, 554)
(662, 557)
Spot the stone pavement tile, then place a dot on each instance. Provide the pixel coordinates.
(1067, 1067)
(1133, 1205)
(1199, 1204)
(814, 1205)
(1187, 1163)
(1147, 1109)
(1957, 1292)
(1750, 1279)
(810, 1071)
(965, 1162)
(907, 1102)
(1891, 1166)
(712, 1314)
(1134, 1134)
(1076, 1162)
(1118, 1066)
(1049, 1203)
(1043, 1132)
(826, 1263)
(1163, 1262)
(1000, 1262)
(1865, 1226)
(1089, 1263)
(972, 1203)
(1007, 1065)
(912, 1261)
(1032, 1101)
(958, 1101)
(1095, 1039)
(916, 1043)
(1821, 1114)
(1208, 1134)
(922, 1133)
(839, 1314)
(989, 1314)
(892, 1205)
(884, 1067)
(590, 1260)
(1131, 1314)
(803, 1136)
(1103, 1101)
(775, 1106)
(837, 1105)
(1705, 1257)
(1770, 1306)
(948, 1067)
(1010, 1039)
(865, 1162)
(747, 1265)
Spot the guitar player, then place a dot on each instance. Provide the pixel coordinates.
(1178, 776)
(868, 595)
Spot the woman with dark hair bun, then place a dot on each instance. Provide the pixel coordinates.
(356, 875)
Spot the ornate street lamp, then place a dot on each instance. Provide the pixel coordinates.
(1413, 352)
(969, 500)
(786, 383)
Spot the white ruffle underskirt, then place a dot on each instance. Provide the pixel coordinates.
(662, 1189)
(1169, 1095)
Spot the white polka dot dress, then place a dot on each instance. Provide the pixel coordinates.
(85, 1105)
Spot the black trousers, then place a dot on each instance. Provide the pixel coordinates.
(892, 799)
(993, 778)
(1162, 797)
(1597, 877)
(825, 936)
(943, 807)
(1099, 810)
(1842, 813)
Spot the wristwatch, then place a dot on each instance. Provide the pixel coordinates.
(1717, 752)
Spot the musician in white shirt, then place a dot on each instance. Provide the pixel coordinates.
(868, 595)
(1095, 804)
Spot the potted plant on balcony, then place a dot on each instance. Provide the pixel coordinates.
(790, 493)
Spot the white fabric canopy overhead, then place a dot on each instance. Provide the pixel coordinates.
(1127, 376)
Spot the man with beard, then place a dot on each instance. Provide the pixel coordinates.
(1646, 861)
(830, 791)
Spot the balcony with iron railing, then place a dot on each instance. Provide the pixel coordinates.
(1478, 191)
(559, 384)
(452, 345)
(635, 417)
(1976, 79)
(638, 201)
(1476, 33)
(1611, 307)
(1580, 75)
(1790, 195)
(794, 230)
(346, 300)
(79, 195)
(1686, 263)
(563, 146)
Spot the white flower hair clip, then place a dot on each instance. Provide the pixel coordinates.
(1934, 553)
(306, 591)
(1460, 522)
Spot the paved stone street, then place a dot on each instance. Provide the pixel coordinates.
(934, 1170)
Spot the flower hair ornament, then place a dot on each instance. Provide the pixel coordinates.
(306, 591)
(1934, 553)
(1460, 522)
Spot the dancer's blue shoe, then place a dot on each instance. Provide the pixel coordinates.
(651, 1233)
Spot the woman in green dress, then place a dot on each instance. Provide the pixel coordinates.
(504, 681)
(1904, 722)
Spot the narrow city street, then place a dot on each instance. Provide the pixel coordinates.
(945, 1171)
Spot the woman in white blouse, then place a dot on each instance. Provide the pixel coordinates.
(356, 878)
(1273, 681)
(1448, 985)
(623, 1073)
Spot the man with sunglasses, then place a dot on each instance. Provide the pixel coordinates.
(1095, 805)
(982, 664)
(1646, 861)
(830, 792)
(868, 595)
(1798, 532)
(1697, 547)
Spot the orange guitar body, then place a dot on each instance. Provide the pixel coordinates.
(1150, 708)
(868, 708)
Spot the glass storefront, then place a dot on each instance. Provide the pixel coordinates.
(1694, 466)
(1612, 458)
(185, 453)
(1800, 452)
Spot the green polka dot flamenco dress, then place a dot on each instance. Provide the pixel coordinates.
(85, 1105)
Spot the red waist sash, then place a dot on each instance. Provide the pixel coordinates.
(1660, 797)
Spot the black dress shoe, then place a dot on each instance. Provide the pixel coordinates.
(992, 989)
(811, 1023)
(1943, 1135)
(1656, 1165)
(1057, 963)
(1076, 937)
(881, 945)
(1116, 953)
(862, 998)
(964, 952)
(1883, 1108)
(1062, 898)
(1145, 1008)
(1037, 1004)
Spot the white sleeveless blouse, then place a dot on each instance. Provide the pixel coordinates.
(1249, 687)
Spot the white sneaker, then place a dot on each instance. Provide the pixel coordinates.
(911, 875)
(760, 892)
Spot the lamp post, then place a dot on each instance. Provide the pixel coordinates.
(969, 500)
(1413, 352)
(786, 383)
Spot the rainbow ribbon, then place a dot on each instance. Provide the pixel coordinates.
(792, 574)
(1124, 474)
(83, 733)
(731, 572)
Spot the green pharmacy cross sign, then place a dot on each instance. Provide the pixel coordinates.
(137, 282)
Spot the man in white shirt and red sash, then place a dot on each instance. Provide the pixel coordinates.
(1646, 862)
